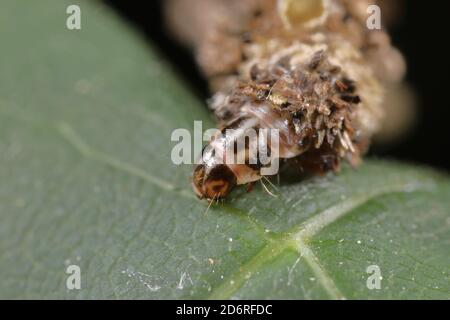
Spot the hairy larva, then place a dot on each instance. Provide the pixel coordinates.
(309, 68)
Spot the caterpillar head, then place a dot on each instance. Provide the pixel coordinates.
(213, 182)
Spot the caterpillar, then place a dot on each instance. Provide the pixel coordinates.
(311, 69)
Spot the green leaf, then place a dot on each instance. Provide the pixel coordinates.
(86, 179)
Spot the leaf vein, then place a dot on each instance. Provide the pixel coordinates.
(298, 239)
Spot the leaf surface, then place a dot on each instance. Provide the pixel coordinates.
(86, 178)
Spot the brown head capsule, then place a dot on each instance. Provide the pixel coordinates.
(213, 182)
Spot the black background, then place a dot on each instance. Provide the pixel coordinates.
(421, 34)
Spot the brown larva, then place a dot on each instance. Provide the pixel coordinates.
(311, 69)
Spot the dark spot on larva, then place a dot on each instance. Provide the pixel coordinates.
(346, 17)
(351, 98)
(316, 59)
(254, 71)
(257, 13)
(347, 85)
